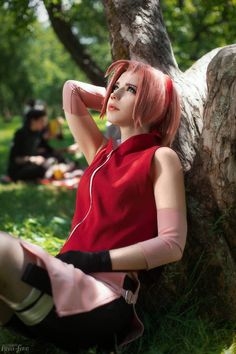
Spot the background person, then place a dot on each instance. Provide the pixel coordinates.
(31, 155)
(25, 161)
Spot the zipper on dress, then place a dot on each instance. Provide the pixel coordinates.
(90, 193)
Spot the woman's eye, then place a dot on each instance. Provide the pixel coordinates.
(132, 89)
(114, 87)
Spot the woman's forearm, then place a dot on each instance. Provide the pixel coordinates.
(165, 248)
(128, 258)
(79, 96)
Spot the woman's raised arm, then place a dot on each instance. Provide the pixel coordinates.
(77, 98)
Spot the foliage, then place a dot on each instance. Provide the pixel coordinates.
(6, 134)
(195, 27)
(42, 65)
(13, 50)
(87, 18)
(55, 67)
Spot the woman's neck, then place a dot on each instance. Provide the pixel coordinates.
(128, 132)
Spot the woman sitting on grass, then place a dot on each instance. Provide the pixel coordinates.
(129, 216)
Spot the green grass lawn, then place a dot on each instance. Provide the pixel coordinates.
(42, 215)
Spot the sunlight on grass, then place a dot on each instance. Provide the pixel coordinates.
(231, 350)
(39, 214)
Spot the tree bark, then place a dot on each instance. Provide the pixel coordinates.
(217, 146)
(206, 144)
(212, 189)
(78, 52)
(137, 32)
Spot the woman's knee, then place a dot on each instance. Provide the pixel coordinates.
(7, 246)
(13, 260)
(12, 255)
(5, 243)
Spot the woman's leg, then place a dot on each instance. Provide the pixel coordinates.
(13, 261)
(5, 313)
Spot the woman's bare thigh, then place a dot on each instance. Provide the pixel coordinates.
(13, 260)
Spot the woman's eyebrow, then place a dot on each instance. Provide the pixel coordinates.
(127, 84)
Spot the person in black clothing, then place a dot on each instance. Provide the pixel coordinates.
(31, 156)
(26, 162)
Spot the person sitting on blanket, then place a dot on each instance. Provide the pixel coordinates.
(31, 157)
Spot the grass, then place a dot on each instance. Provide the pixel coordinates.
(42, 215)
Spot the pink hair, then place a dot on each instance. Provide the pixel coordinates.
(157, 101)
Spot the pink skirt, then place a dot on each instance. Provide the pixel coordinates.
(75, 292)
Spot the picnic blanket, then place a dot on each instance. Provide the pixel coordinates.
(69, 180)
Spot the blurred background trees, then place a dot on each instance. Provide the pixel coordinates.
(36, 57)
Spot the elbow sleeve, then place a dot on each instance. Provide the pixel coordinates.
(169, 245)
(78, 96)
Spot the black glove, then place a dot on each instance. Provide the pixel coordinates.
(88, 262)
(37, 277)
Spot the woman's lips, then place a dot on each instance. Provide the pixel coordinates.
(111, 107)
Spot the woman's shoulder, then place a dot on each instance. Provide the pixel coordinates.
(165, 152)
(166, 160)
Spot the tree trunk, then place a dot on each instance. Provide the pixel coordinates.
(218, 143)
(78, 52)
(137, 32)
(206, 144)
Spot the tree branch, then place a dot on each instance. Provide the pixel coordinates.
(77, 50)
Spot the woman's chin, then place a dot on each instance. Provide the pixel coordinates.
(112, 121)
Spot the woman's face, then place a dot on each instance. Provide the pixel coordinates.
(121, 102)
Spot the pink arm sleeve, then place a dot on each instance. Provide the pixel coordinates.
(168, 246)
(78, 96)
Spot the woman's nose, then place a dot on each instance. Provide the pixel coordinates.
(113, 95)
(116, 94)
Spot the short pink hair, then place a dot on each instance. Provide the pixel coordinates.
(157, 101)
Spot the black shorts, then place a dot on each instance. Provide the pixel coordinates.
(101, 327)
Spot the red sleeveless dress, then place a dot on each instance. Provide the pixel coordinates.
(115, 205)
